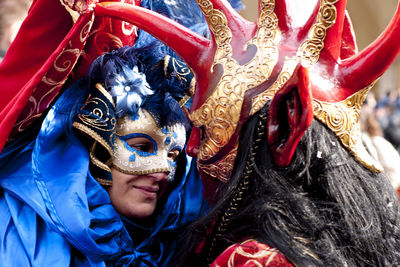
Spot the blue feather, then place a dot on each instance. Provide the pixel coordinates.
(135, 78)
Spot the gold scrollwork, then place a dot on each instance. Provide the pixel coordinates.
(66, 64)
(311, 48)
(101, 118)
(180, 69)
(222, 169)
(221, 111)
(343, 119)
(261, 99)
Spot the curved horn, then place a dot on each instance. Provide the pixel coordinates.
(349, 44)
(362, 69)
(190, 46)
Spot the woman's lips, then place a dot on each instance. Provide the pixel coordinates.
(148, 191)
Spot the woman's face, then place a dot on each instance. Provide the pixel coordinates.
(144, 162)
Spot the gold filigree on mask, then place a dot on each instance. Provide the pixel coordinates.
(180, 69)
(221, 111)
(134, 161)
(99, 119)
(311, 48)
(308, 52)
(343, 119)
(182, 72)
(261, 99)
(103, 116)
(98, 123)
(222, 169)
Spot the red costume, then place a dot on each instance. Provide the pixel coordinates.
(250, 253)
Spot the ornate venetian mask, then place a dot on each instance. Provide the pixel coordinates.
(156, 150)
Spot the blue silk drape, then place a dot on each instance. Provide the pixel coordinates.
(54, 213)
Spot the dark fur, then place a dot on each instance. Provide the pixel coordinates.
(319, 211)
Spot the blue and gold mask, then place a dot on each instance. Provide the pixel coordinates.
(134, 160)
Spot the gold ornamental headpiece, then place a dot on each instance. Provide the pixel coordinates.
(308, 46)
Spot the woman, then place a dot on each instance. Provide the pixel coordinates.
(111, 140)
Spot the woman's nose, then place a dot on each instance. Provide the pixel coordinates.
(160, 176)
(193, 145)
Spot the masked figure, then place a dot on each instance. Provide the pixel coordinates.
(119, 127)
(71, 166)
(276, 135)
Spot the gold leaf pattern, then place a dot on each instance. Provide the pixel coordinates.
(221, 111)
(343, 119)
(222, 169)
(311, 48)
(250, 253)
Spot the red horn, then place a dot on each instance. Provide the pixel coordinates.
(190, 46)
(349, 44)
(281, 10)
(285, 12)
(362, 69)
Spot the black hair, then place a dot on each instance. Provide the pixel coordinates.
(324, 209)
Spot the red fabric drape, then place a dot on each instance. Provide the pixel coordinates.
(251, 253)
(49, 49)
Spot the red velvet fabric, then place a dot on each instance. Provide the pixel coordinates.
(50, 51)
(249, 254)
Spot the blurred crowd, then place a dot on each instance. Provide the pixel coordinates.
(380, 126)
(387, 112)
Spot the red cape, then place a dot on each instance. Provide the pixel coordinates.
(54, 47)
